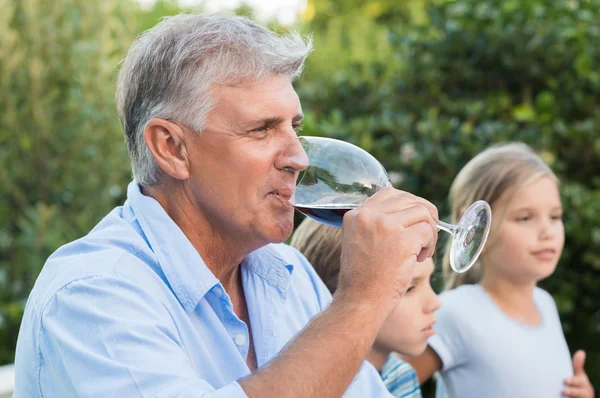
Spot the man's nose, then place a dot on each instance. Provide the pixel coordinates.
(293, 156)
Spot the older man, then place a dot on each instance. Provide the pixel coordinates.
(184, 291)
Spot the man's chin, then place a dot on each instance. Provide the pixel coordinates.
(283, 230)
(283, 233)
(277, 226)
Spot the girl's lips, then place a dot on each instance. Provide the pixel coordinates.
(545, 254)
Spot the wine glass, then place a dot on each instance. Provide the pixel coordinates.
(341, 176)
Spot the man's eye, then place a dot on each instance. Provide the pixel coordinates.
(260, 132)
(262, 129)
(297, 127)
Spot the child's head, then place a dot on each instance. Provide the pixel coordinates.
(407, 328)
(527, 236)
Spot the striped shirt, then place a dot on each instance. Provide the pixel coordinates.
(400, 378)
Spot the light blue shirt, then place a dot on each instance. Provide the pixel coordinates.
(131, 310)
(400, 378)
(486, 353)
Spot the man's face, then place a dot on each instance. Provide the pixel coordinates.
(244, 166)
(408, 327)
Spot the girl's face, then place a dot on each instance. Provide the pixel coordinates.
(408, 327)
(530, 239)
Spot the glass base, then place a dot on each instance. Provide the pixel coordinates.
(471, 234)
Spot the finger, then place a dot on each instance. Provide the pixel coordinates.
(570, 381)
(578, 362)
(413, 215)
(579, 380)
(426, 240)
(390, 200)
(575, 392)
(409, 216)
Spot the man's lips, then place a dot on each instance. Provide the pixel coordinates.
(283, 193)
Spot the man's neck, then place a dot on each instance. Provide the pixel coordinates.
(220, 252)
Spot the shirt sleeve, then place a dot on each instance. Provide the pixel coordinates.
(448, 341)
(106, 337)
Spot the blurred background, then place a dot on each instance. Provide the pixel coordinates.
(423, 85)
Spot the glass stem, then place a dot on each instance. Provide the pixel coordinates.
(451, 229)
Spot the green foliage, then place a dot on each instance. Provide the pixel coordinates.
(160, 9)
(63, 163)
(476, 73)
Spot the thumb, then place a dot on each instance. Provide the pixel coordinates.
(578, 362)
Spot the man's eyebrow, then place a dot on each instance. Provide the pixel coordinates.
(270, 121)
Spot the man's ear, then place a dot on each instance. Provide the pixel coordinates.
(165, 141)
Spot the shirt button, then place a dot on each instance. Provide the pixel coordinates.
(218, 291)
(239, 339)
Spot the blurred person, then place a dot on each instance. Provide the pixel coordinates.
(185, 290)
(406, 329)
(497, 333)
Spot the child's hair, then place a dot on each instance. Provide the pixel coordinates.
(322, 246)
(501, 170)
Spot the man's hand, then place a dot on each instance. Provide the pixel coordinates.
(382, 242)
(579, 385)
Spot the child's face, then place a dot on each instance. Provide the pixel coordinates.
(408, 327)
(530, 239)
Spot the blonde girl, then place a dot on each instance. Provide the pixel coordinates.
(497, 333)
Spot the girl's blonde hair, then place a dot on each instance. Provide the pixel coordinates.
(322, 246)
(499, 171)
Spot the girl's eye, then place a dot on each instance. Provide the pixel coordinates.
(411, 288)
(522, 219)
(557, 217)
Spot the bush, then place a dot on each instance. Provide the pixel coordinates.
(63, 163)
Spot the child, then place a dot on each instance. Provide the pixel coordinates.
(502, 337)
(407, 328)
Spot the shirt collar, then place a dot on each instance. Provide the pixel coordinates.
(184, 268)
(267, 263)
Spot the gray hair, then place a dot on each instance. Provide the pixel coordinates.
(170, 70)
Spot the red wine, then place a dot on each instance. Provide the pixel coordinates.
(331, 215)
